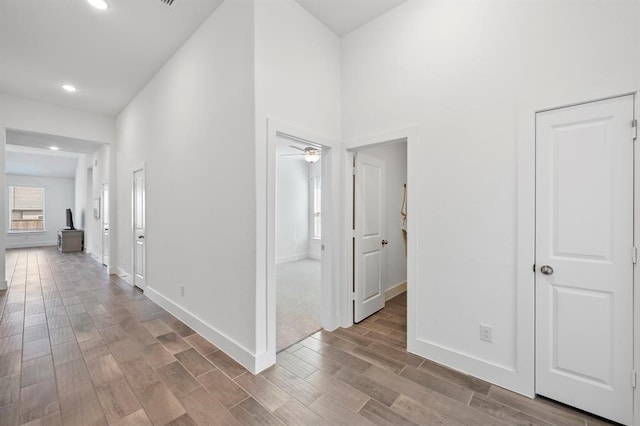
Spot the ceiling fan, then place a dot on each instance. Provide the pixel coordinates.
(311, 153)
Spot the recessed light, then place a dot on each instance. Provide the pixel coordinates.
(53, 148)
(69, 88)
(99, 4)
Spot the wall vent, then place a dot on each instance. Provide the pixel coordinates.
(167, 2)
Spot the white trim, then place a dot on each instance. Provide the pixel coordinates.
(235, 350)
(266, 238)
(124, 275)
(524, 382)
(395, 290)
(292, 258)
(3, 285)
(29, 244)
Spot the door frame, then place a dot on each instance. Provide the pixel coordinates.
(136, 168)
(410, 136)
(527, 109)
(266, 243)
(102, 218)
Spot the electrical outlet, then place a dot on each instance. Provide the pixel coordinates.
(486, 333)
(182, 290)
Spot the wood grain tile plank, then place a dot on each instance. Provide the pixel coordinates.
(294, 364)
(419, 413)
(351, 337)
(382, 415)
(104, 369)
(448, 389)
(470, 382)
(10, 363)
(293, 412)
(159, 403)
(157, 356)
(333, 412)
(368, 386)
(504, 413)
(318, 361)
(195, 363)
(347, 360)
(66, 352)
(249, 412)
(117, 400)
(9, 389)
(35, 349)
(376, 358)
(93, 348)
(177, 378)
(201, 344)
(538, 408)
(157, 327)
(296, 387)
(347, 395)
(394, 353)
(204, 409)
(222, 388)
(139, 374)
(72, 375)
(268, 394)
(173, 343)
(37, 370)
(82, 407)
(137, 418)
(61, 335)
(227, 364)
(38, 400)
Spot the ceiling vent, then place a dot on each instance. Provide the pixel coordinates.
(168, 2)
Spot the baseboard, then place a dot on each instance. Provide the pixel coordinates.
(3, 285)
(30, 244)
(124, 275)
(395, 290)
(253, 363)
(292, 258)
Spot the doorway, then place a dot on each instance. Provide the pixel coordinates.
(585, 256)
(298, 239)
(379, 212)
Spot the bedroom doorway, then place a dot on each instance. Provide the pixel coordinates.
(298, 240)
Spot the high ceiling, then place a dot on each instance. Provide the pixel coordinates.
(110, 55)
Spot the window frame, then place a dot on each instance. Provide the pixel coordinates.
(316, 207)
(10, 190)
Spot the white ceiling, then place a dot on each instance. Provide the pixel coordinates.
(28, 154)
(40, 162)
(110, 55)
(344, 16)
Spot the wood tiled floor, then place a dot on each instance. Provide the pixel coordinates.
(78, 347)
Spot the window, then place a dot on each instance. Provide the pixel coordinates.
(27, 208)
(317, 207)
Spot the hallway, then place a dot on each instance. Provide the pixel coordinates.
(78, 347)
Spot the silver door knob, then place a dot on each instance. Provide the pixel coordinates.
(385, 242)
(141, 237)
(547, 270)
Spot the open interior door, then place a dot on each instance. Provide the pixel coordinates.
(369, 220)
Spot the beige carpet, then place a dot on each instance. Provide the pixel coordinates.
(298, 301)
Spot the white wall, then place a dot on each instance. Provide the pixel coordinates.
(297, 82)
(58, 197)
(193, 127)
(292, 209)
(25, 114)
(395, 158)
(459, 71)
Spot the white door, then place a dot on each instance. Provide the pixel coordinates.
(584, 266)
(139, 258)
(369, 218)
(105, 224)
